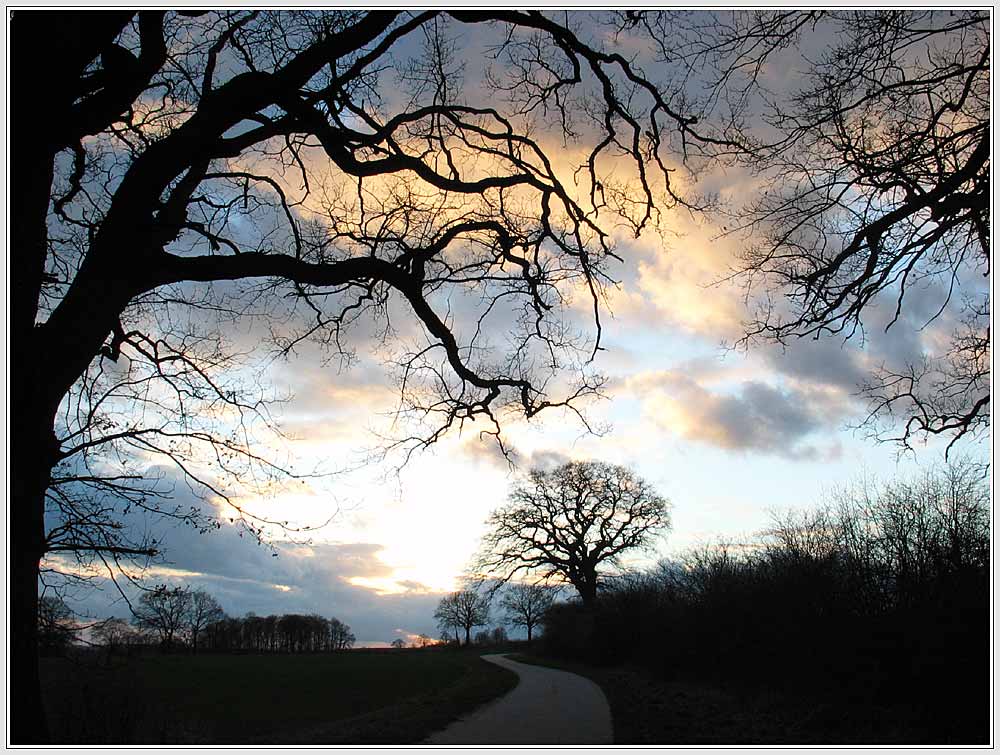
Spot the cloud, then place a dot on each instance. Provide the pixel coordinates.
(485, 451)
(547, 459)
(348, 580)
(824, 362)
(753, 417)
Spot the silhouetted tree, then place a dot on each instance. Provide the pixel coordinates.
(115, 634)
(525, 604)
(55, 624)
(398, 643)
(165, 611)
(464, 609)
(875, 183)
(569, 522)
(203, 610)
(341, 636)
(155, 202)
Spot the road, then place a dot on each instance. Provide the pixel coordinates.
(546, 707)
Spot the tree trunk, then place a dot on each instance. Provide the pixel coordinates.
(529, 632)
(27, 714)
(586, 585)
(32, 456)
(468, 637)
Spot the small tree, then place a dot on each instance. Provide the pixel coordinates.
(569, 522)
(465, 609)
(398, 643)
(526, 604)
(164, 610)
(203, 610)
(499, 636)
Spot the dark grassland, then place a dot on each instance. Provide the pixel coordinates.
(353, 697)
(647, 710)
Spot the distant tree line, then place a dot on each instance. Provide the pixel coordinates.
(289, 633)
(179, 618)
(882, 592)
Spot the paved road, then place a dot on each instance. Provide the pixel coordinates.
(546, 707)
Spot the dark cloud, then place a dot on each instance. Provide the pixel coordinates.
(547, 460)
(826, 362)
(756, 417)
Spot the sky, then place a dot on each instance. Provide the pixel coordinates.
(727, 436)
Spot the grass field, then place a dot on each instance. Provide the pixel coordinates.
(354, 697)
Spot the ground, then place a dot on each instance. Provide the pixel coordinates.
(371, 697)
(548, 707)
(703, 711)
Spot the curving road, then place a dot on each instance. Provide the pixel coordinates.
(546, 707)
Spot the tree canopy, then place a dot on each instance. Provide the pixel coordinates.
(568, 523)
(463, 609)
(873, 173)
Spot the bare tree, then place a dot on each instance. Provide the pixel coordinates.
(525, 604)
(166, 186)
(341, 636)
(165, 611)
(114, 634)
(569, 522)
(875, 175)
(202, 611)
(464, 609)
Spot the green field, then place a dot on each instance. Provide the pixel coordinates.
(361, 697)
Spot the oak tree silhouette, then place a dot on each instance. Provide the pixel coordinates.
(568, 523)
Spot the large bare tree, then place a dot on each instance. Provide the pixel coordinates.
(569, 523)
(175, 173)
